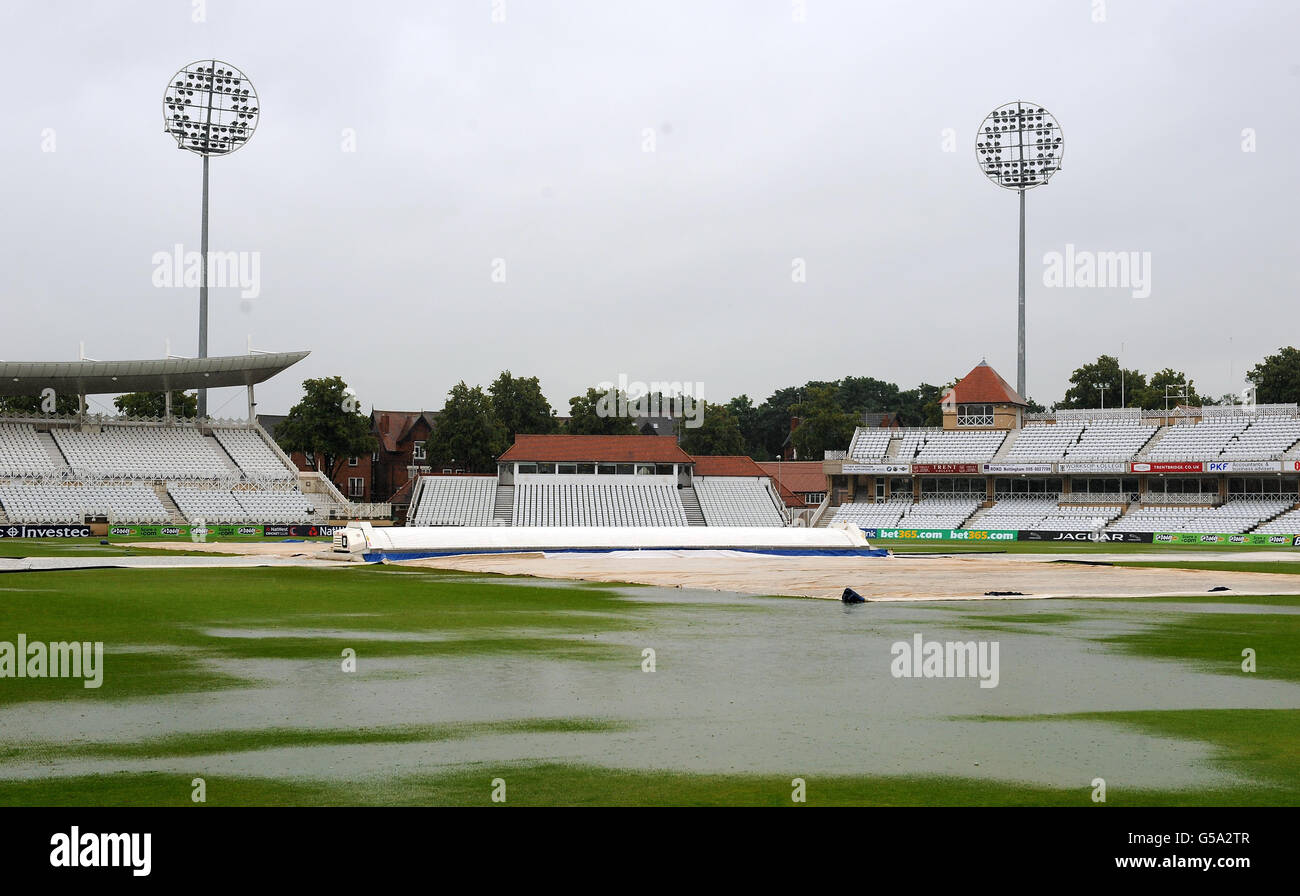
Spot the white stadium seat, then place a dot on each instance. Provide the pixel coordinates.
(454, 501)
(597, 504)
(737, 501)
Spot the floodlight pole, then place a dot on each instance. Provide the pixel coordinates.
(1020, 341)
(203, 290)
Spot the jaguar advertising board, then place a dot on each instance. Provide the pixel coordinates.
(49, 530)
(1076, 535)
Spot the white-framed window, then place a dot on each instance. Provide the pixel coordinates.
(374, 457)
(354, 461)
(417, 452)
(356, 487)
(974, 415)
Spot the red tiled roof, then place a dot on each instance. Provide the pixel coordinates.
(982, 385)
(797, 475)
(726, 465)
(393, 427)
(742, 465)
(609, 449)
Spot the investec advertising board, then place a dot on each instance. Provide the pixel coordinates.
(52, 530)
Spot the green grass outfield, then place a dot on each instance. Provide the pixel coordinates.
(171, 613)
(120, 546)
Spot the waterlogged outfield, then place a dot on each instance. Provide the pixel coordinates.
(234, 675)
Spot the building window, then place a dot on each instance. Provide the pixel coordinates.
(374, 457)
(417, 452)
(354, 461)
(528, 468)
(974, 415)
(356, 487)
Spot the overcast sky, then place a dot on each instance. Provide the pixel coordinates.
(774, 140)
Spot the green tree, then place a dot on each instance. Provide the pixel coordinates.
(1152, 395)
(595, 414)
(520, 406)
(717, 434)
(154, 404)
(37, 404)
(1087, 381)
(859, 394)
(326, 421)
(921, 406)
(468, 433)
(772, 421)
(742, 408)
(823, 424)
(1277, 377)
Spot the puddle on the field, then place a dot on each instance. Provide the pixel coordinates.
(782, 686)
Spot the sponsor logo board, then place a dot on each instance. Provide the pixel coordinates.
(943, 534)
(1248, 538)
(1016, 468)
(876, 468)
(1167, 466)
(302, 531)
(1059, 535)
(1243, 466)
(1081, 467)
(52, 530)
(945, 469)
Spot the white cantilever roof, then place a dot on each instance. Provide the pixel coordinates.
(162, 375)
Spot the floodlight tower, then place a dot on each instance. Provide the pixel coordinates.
(1019, 147)
(211, 108)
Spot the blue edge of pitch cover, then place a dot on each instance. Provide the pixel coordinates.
(376, 556)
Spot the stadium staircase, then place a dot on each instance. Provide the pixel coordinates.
(504, 509)
(228, 462)
(891, 452)
(52, 449)
(691, 504)
(177, 518)
(1007, 444)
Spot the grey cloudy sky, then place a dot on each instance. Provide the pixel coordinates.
(774, 140)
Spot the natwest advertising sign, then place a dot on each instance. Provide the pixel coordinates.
(945, 469)
(1167, 466)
